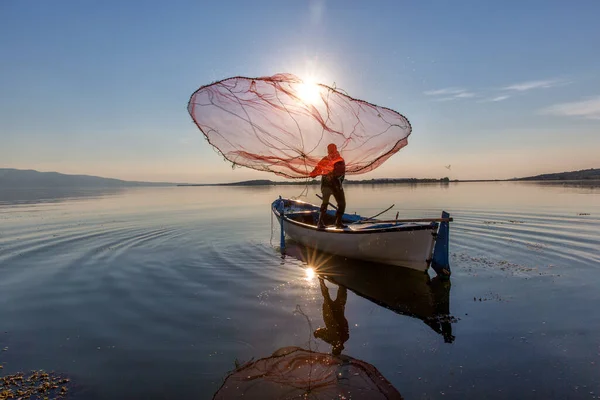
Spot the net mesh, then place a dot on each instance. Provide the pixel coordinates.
(283, 125)
(296, 373)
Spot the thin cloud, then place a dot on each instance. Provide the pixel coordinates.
(465, 95)
(589, 109)
(501, 94)
(530, 85)
(445, 91)
(450, 94)
(495, 99)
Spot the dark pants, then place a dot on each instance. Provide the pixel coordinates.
(340, 198)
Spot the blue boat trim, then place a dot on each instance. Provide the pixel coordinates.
(441, 259)
(280, 208)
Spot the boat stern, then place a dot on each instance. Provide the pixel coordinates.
(441, 260)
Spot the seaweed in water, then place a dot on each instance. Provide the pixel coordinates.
(36, 385)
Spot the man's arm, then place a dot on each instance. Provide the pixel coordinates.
(320, 168)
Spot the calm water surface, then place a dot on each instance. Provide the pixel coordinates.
(161, 292)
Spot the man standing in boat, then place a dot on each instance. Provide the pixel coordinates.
(333, 170)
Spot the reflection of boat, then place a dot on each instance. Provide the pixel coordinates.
(402, 290)
(296, 373)
(408, 243)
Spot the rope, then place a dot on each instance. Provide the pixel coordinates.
(304, 192)
(271, 239)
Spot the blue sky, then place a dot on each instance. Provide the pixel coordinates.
(495, 89)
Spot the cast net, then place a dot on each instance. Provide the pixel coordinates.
(296, 373)
(283, 125)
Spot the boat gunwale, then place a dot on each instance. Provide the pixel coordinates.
(392, 229)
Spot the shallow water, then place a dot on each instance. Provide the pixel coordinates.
(159, 292)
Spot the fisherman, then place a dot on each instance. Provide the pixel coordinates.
(333, 169)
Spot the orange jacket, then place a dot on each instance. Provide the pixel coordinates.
(333, 165)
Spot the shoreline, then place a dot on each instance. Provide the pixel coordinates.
(389, 182)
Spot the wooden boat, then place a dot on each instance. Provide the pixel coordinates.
(413, 243)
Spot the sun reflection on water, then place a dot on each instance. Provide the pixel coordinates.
(310, 273)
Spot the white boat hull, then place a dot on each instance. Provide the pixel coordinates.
(410, 249)
(408, 245)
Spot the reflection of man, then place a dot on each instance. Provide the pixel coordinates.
(336, 331)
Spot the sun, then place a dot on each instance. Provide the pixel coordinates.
(309, 92)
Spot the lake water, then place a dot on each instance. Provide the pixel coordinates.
(161, 292)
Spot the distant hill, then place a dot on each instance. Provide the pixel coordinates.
(255, 182)
(584, 174)
(19, 178)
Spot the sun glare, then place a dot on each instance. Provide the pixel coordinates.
(309, 92)
(310, 273)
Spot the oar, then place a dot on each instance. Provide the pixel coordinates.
(377, 215)
(405, 220)
(329, 202)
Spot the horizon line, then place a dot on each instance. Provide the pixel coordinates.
(298, 180)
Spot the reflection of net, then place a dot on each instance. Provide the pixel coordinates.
(270, 124)
(296, 373)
